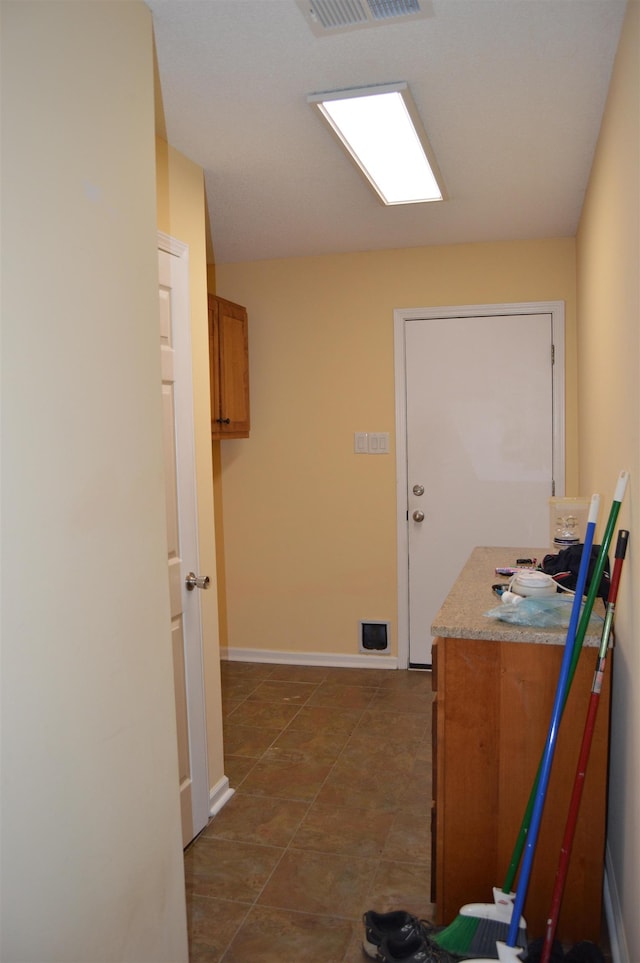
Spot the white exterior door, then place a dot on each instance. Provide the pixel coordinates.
(182, 533)
(479, 447)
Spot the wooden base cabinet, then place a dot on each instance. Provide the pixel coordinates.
(493, 704)
(228, 369)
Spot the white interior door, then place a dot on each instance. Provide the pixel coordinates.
(182, 532)
(479, 443)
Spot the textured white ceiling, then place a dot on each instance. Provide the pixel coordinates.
(511, 93)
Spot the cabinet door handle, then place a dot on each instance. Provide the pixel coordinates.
(223, 421)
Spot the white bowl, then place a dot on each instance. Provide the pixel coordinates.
(533, 585)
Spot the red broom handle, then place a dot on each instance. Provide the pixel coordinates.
(587, 738)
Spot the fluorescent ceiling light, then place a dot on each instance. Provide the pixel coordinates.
(381, 130)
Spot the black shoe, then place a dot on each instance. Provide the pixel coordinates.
(398, 926)
(414, 950)
(584, 952)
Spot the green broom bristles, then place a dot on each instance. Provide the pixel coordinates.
(458, 936)
(472, 936)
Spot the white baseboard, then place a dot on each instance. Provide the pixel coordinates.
(219, 795)
(334, 659)
(613, 912)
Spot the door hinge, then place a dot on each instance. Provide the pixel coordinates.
(553, 354)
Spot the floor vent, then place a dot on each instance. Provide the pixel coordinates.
(335, 16)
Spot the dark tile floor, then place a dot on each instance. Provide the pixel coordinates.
(332, 772)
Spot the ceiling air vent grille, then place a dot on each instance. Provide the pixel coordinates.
(385, 9)
(334, 16)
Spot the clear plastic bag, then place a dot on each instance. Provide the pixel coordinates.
(544, 613)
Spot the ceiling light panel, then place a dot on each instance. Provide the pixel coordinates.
(380, 129)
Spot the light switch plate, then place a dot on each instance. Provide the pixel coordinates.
(378, 442)
(361, 442)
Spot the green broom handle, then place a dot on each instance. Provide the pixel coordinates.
(577, 646)
(593, 591)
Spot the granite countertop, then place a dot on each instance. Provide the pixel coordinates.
(462, 613)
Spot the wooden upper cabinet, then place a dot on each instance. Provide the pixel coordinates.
(229, 369)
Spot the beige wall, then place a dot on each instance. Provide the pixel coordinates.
(92, 863)
(310, 528)
(181, 213)
(608, 257)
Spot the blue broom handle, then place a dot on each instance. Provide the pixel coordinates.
(556, 715)
(570, 639)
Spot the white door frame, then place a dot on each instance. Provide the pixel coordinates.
(402, 315)
(188, 526)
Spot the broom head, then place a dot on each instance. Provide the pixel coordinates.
(479, 927)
